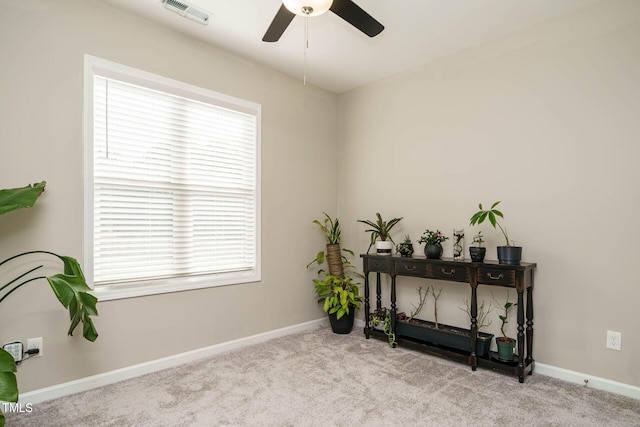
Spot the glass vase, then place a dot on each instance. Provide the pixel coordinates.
(458, 244)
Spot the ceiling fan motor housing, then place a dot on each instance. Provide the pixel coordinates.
(308, 7)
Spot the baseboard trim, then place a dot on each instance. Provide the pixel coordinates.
(592, 381)
(106, 378)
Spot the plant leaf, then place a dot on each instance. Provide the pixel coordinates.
(495, 204)
(17, 198)
(8, 383)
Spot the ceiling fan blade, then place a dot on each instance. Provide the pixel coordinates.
(356, 16)
(280, 23)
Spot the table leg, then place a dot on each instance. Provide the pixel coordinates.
(366, 306)
(393, 305)
(520, 336)
(529, 359)
(474, 327)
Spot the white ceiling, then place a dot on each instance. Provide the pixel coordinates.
(340, 57)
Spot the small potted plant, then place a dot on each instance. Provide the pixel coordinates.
(381, 318)
(405, 248)
(381, 229)
(433, 243)
(507, 254)
(505, 344)
(340, 297)
(477, 252)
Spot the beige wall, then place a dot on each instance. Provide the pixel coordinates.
(42, 44)
(545, 120)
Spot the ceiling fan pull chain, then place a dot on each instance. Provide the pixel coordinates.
(306, 46)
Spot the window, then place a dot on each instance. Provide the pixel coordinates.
(172, 184)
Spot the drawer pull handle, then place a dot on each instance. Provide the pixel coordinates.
(498, 277)
(378, 264)
(410, 267)
(448, 273)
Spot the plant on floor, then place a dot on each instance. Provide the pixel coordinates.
(338, 295)
(505, 344)
(380, 229)
(335, 257)
(383, 315)
(69, 287)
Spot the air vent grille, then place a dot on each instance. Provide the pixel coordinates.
(187, 10)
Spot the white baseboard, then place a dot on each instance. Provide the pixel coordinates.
(576, 377)
(593, 381)
(88, 383)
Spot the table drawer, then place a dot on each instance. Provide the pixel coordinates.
(449, 272)
(379, 264)
(496, 276)
(411, 268)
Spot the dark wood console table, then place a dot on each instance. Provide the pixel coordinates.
(488, 273)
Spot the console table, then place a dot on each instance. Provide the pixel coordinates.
(488, 273)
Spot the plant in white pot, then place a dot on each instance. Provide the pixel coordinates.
(381, 229)
(509, 253)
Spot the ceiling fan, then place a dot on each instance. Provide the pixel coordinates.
(345, 9)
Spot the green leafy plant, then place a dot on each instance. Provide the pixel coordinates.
(339, 295)
(330, 228)
(383, 315)
(492, 214)
(70, 288)
(336, 258)
(432, 237)
(505, 309)
(380, 228)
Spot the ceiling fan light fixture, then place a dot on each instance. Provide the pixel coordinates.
(308, 7)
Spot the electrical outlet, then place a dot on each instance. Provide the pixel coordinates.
(614, 340)
(33, 343)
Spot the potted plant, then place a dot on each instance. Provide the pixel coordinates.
(332, 253)
(507, 254)
(340, 297)
(405, 248)
(506, 345)
(70, 288)
(477, 252)
(433, 243)
(381, 318)
(440, 334)
(381, 229)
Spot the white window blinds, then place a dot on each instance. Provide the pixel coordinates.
(174, 186)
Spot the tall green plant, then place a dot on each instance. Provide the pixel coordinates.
(70, 287)
(492, 214)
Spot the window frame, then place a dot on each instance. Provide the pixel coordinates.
(94, 65)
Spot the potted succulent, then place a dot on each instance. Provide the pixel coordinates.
(381, 229)
(70, 288)
(433, 243)
(405, 248)
(340, 297)
(507, 254)
(477, 252)
(505, 344)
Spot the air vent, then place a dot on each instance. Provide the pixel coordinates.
(187, 10)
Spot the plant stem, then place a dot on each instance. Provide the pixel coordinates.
(20, 285)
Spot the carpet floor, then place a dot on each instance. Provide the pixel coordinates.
(317, 378)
